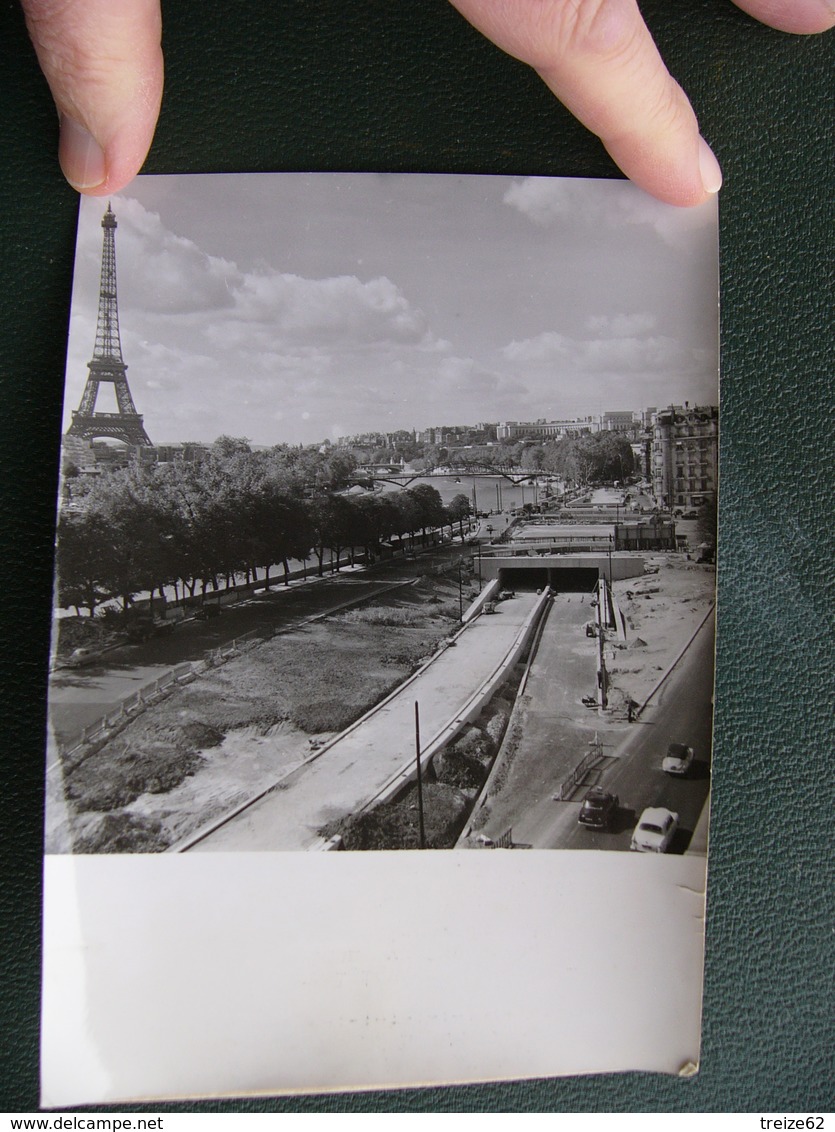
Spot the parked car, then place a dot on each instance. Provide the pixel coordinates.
(654, 831)
(598, 809)
(678, 759)
(81, 656)
(142, 629)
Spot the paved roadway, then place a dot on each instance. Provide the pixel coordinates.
(683, 712)
(78, 698)
(355, 769)
(553, 726)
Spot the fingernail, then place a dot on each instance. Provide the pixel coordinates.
(81, 156)
(709, 169)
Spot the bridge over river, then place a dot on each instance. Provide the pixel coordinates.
(487, 488)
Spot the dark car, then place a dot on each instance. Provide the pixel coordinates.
(143, 628)
(598, 809)
(205, 612)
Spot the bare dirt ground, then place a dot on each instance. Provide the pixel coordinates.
(239, 728)
(662, 613)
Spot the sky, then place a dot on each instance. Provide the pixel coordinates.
(295, 308)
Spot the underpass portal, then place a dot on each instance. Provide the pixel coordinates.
(561, 580)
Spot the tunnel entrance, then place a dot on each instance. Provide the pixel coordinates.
(533, 578)
(576, 580)
(562, 580)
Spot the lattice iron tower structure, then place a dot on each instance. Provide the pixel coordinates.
(107, 363)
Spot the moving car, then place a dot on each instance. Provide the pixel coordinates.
(654, 831)
(598, 809)
(678, 759)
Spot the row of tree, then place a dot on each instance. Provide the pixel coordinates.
(196, 526)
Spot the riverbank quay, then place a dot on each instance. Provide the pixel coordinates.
(153, 616)
(234, 729)
(82, 695)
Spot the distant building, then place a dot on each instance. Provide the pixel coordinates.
(685, 455)
(470, 451)
(545, 430)
(621, 421)
(92, 457)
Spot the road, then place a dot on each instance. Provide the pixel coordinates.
(79, 698)
(553, 726)
(360, 763)
(682, 713)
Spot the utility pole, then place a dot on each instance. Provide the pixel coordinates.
(602, 698)
(419, 776)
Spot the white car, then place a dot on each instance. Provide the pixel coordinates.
(678, 759)
(655, 831)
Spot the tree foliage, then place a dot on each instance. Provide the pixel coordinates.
(195, 525)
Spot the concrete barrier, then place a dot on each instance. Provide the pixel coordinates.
(469, 711)
(489, 593)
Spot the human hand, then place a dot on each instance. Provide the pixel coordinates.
(599, 59)
(103, 62)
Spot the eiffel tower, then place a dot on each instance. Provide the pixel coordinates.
(107, 363)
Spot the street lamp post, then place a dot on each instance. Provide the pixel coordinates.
(460, 592)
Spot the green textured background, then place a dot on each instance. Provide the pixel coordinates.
(408, 86)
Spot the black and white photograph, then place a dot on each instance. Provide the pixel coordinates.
(387, 518)
(387, 523)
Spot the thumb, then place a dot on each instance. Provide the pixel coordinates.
(103, 62)
(599, 58)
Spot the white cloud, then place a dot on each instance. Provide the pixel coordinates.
(616, 355)
(541, 199)
(612, 204)
(168, 274)
(341, 309)
(304, 346)
(547, 347)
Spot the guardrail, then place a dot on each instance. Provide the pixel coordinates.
(150, 693)
(468, 711)
(577, 775)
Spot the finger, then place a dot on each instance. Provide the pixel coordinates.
(599, 59)
(103, 62)
(804, 17)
